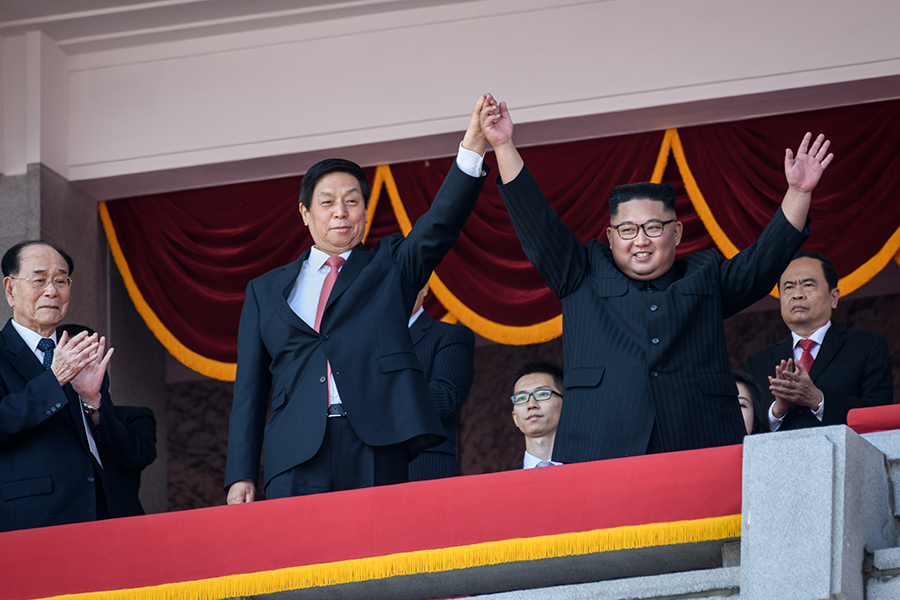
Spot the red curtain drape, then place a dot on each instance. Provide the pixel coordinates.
(187, 256)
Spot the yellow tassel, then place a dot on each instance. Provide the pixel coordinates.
(433, 561)
(201, 364)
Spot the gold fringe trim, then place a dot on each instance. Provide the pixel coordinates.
(207, 366)
(726, 247)
(433, 561)
(662, 158)
(869, 269)
(852, 282)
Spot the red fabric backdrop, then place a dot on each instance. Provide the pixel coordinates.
(191, 253)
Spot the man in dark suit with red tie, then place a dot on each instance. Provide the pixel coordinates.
(646, 367)
(328, 336)
(822, 370)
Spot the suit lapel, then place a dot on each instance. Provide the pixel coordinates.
(420, 328)
(285, 283)
(783, 350)
(26, 363)
(833, 341)
(359, 260)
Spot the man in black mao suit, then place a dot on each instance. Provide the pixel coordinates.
(349, 400)
(850, 368)
(646, 367)
(48, 472)
(447, 354)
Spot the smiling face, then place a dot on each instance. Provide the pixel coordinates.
(806, 301)
(38, 309)
(537, 419)
(644, 258)
(336, 216)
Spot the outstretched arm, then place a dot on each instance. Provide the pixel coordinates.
(803, 173)
(498, 129)
(556, 252)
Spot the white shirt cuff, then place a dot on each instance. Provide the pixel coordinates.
(469, 162)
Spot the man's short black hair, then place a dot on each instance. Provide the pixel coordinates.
(831, 276)
(326, 167)
(539, 366)
(661, 192)
(760, 412)
(12, 260)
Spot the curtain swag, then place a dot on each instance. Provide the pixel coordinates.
(186, 257)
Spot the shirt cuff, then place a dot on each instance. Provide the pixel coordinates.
(774, 422)
(821, 412)
(469, 162)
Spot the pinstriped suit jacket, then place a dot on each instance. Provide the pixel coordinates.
(633, 357)
(852, 368)
(447, 355)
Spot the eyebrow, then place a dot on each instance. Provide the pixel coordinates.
(653, 220)
(39, 271)
(806, 280)
(540, 387)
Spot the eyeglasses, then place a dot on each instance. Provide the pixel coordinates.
(40, 283)
(653, 229)
(541, 395)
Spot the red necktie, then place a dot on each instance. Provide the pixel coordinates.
(806, 358)
(335, 263)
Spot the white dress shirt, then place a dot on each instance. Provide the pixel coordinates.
(818, 337)
(531, 461)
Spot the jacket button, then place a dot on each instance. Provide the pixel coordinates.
(323, 337)
(90, 480)
(655, 340)
(654, 374)
(322, 379)
(653, 307)
(58, 405)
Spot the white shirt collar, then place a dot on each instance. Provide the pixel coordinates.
(32, 338)
(818, 335)
(413, 318)
(531, 461)
(317, 258)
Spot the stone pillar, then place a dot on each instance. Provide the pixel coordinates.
(815, 501)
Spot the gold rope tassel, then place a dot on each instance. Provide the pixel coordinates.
(434, 561)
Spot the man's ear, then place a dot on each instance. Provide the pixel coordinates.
(835, 294)
(7, 288)
(679, 229)
(304, 214)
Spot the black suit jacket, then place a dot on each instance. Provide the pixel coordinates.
(48, 475)
(364, 334)
(852, 368)
(131, 447)
(633, 357)
(447, 354)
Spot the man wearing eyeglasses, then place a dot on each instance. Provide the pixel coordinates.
(646, 364)
(537, 401)
(54, 399)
